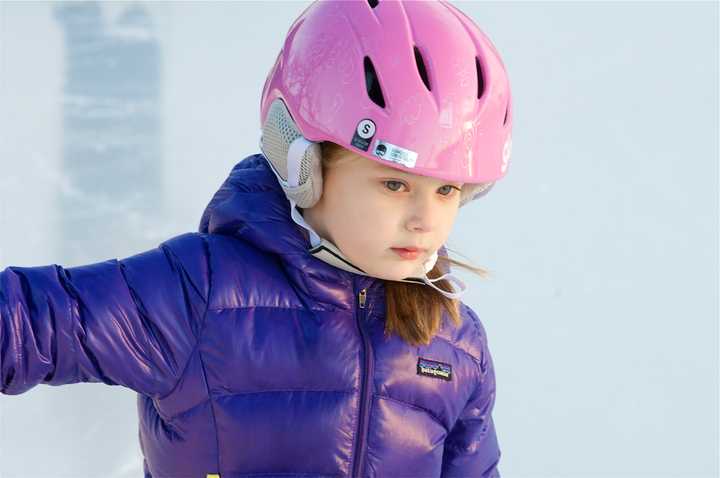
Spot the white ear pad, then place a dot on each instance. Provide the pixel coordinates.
(281, 143)
(471, 192)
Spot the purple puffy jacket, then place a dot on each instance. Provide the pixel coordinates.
(252, 358)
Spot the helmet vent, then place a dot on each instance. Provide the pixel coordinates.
(372, 84)
(421, 68)
(507, 108)
(373, 3)
(481, 82)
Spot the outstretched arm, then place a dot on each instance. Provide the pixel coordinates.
(130, 322)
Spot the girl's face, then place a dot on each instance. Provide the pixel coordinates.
(367, 208)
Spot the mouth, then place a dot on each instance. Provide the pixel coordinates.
(408, 253)
(411, 249)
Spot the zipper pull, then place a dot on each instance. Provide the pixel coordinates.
(363, 294)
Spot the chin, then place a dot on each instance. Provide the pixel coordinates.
(393, 268)
(397, 273)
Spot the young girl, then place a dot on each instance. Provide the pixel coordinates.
(310, 328)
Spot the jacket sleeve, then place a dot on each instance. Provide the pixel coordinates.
(471, 447)
(130, 322)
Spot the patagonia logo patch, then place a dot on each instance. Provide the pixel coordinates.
(431, 368)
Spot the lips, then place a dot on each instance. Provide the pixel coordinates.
(407, 252)
(411, 249)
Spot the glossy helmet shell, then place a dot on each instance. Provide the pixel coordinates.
(414, 85)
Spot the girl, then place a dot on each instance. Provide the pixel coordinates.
(310, 328)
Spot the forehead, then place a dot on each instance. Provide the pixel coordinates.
(375, 167)
(379, 167)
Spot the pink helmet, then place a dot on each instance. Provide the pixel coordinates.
(414, 85)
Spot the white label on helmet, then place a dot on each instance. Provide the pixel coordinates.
(394, 154)
(446, 114)
(507, 151)
(366, 129)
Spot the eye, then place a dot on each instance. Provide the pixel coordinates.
(393, 182)
(449, 191)
(393, 186)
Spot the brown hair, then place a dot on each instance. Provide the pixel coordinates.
(413, 311)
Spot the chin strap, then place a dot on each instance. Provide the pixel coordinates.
(451, 278)
(328, 252)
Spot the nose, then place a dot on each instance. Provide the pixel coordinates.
(422, 215)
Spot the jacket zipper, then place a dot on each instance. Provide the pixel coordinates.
(364, 395)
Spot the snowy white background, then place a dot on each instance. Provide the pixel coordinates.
(602, 311)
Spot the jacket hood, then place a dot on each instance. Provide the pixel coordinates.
(251, 205)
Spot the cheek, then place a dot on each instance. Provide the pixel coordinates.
(354, 204)
(361, 218)
(447, 224)
(361, 225)
(362, 222)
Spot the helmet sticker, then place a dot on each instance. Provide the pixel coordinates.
(395, 154)
(446, 114)
(507, 151)
(363, 134)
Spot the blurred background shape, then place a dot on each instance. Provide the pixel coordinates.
(112, 144)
